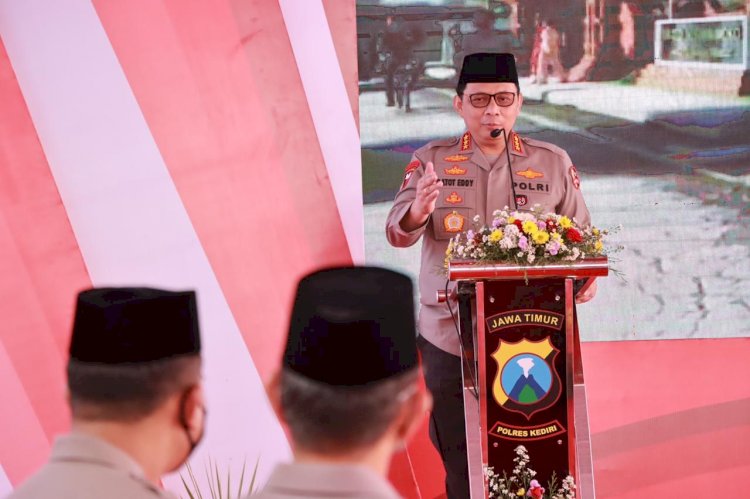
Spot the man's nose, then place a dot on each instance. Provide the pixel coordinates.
(492, 107)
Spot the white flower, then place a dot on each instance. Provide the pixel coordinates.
(476, 218)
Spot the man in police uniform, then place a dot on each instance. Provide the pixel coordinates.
(348, 389)
(135, 395)
(446, 184)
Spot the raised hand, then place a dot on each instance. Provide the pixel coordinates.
(428, 190)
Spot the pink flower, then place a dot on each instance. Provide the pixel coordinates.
(523, 243)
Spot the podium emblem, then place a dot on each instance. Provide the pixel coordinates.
(526, 380)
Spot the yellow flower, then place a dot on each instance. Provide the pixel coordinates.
(595, 231)
(540, 237)
(521, 492)
(565, 222)
(598, 245)
(449, 248)
(556, 237)
(511, 220)
(530, 227)
(496, 235)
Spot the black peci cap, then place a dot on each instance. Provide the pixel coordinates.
(352, 326)
(134, 325)
(486, 67)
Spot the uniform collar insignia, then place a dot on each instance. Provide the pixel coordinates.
(516, 145)
(466, 142)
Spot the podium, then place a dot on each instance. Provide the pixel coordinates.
(522, 371)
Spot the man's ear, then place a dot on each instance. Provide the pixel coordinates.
(413, 412)
(273, 392)
(194, 407)
(458, 104)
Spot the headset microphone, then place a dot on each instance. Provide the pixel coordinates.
(496, 133)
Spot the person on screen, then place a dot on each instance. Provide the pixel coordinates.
(484, 38)
(348, 389)
(402, 67)
(134, 388)
(549, 63)
(447, 184)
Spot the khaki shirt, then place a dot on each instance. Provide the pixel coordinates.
(542, 174)
(84, 467)
(297, 480)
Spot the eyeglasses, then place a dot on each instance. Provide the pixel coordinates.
(502, 99)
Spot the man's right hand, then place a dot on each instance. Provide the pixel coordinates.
(428, 190)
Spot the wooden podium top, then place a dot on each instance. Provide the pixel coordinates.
(461, 270)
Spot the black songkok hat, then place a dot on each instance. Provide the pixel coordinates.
(485, 67)
(134, 325)
(352, 326)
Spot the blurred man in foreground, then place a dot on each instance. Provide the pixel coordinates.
(348, 390)
(135, 396)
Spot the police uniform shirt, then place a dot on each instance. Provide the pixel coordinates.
(542, 174)
(298, 480)
(85, 467)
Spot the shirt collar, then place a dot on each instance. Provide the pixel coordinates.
(467, 145)
(81, 447)
(330, 480)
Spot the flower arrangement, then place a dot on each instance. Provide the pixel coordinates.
(523, 484)
(529, 237)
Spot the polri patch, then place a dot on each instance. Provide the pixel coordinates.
(574, 176)
(409, 171)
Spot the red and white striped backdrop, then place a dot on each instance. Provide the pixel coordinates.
(204, 144)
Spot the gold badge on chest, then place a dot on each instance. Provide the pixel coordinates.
(453, 222)
(530, 174)
(454, 198)
(455, 170)
(456, 158)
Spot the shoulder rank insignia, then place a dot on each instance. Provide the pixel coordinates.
(455, 170)
(408, 172)
(530, 174)
(456, 158)
(454, 198)
(453, 222)
(574, 176)
(466, 142)
(517, 143)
